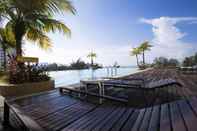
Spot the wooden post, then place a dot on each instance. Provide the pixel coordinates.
(61, 90)
(86, 89)
(6, 114)
(100, 93)
(80, 85)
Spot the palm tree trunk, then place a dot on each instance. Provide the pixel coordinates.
(4, 56)
(137, 60)
(18, 47)
(143, 57)
(92, 62)
(19, 32)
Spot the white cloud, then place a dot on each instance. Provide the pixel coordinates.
(167, 39)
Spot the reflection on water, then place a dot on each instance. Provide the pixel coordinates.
(63, 78)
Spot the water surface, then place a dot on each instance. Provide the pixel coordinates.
(63, 78)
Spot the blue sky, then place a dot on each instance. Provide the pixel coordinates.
(112, 27)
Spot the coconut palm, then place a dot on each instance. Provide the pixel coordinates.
(135, 52)
(92, 55)
(145, 46)
(7, 42)
(33, 19)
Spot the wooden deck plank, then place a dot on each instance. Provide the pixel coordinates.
(176, 118)
(91, 118)
(165, 123)
(97, 121)
(60, 123)
(109, 122)
(86, 118)
(193, 103)
(66, 110)
(66, 117)
(154, 121)
(37, 98)
(95, 125)
(130, 122)
(145, 123)
(53, 102)
(188, 115)
(122, 120)
(139, 119)
(53, 106)
(47, 102)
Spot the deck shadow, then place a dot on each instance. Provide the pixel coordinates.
(137, 98)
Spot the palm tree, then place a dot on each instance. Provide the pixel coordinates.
(136, 52)
(7, 41)
(145, 46)
(33, 19)
(92, 55)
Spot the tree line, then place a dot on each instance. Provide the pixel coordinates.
(75, 65)
(160, 61)
(190, 61)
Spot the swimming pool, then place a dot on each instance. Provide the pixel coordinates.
(63, 78)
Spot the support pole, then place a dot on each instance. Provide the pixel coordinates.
(6, 114)
(100, 93)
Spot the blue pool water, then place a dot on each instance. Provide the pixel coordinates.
(63, 78)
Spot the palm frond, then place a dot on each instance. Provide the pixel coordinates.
(39, 38)
(7, 36)
(135, 51)
(59, 6)
(54, 25)
(47, 7)
(92, 55)
(145, 46)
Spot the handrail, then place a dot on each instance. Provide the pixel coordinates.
(92, 94)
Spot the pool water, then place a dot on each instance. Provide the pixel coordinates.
(63, 78)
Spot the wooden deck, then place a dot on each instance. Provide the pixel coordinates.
(55, 111)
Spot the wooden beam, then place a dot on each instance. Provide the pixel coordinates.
(6, 114)
(28, 122)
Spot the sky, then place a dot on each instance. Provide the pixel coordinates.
(111, 28)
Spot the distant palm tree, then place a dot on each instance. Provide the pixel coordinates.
(92, 55)
(7, 42)
(136, 52)
(145, 46)
(32, 19)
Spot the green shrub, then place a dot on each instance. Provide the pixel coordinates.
(28, 74)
